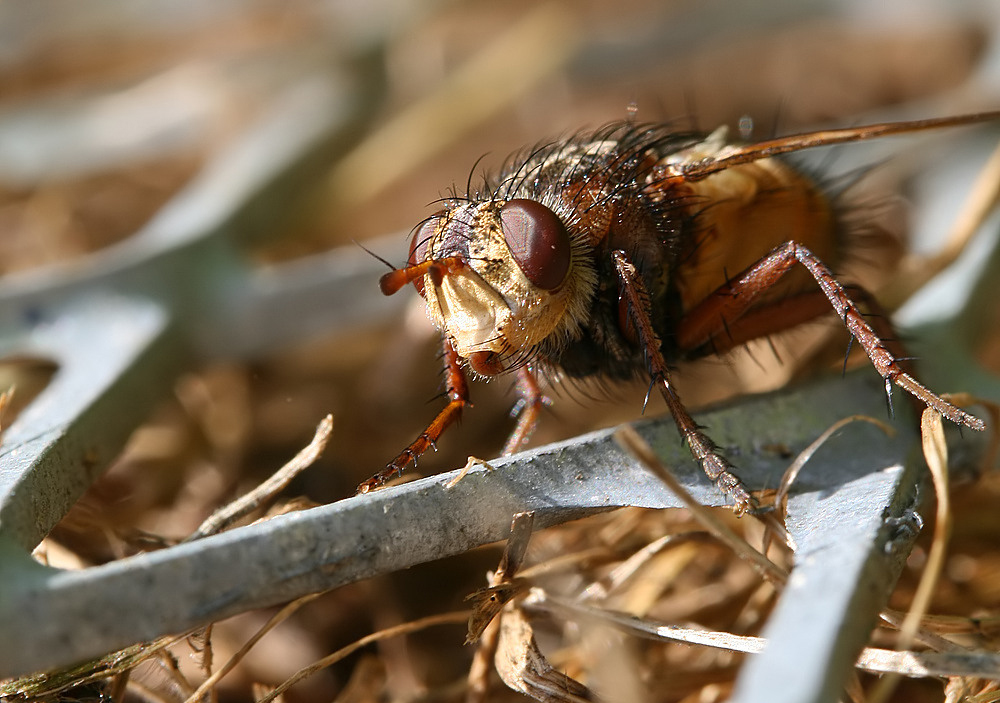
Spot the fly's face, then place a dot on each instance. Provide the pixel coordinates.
(516, 280)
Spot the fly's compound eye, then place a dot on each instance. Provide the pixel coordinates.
(538, 241)
(418, 248)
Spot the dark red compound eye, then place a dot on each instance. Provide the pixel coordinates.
(538, 241)
(418, 248)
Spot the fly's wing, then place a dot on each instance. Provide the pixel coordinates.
(733, 155)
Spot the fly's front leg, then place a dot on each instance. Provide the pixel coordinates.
(458, 399)
(528, 408)
(634, 293)
(727, 305)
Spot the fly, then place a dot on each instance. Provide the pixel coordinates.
(609, 254)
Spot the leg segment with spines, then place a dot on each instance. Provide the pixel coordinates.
(724, 308)
(719, 469)
(458, 400)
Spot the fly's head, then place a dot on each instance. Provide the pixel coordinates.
(503, 280)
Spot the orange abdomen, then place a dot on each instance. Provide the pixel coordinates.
(744, 212)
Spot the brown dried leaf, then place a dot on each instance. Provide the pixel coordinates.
(488, 602)
(503, 588)
(524, 668)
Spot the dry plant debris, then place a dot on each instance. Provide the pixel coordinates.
(669, 581)
(690, 608)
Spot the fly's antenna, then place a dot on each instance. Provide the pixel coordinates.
(393, 268)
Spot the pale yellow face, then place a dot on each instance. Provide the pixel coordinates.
(491, 305)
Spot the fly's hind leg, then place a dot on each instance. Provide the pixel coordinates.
(728, 312)
(458, 400)
(634, 294)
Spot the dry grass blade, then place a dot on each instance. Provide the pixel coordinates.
(922, 635)
(916, 271)
(568, 561)
(631, 566)
(266, 491)
(540, 600)
(5, 398)
(630, 440)
(987, 697)
(927, 664)
(536, 47)
(774, 522)
(516, 547)
(453, 618)
(503, 587)
(793, 470)
(880, 661)
(231, 664)
(936, 455)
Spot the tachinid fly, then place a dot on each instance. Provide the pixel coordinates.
(619, 252)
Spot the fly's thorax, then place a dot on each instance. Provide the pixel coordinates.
(527, 280)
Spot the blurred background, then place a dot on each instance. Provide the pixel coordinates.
(108, 108)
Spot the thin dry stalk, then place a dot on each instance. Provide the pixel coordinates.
(631, 566)
(630, 440)
(880, 661)
(565, 562)
(516, 60)
(5, 399)
(922, 635)
(279, 617)
(406, 628)
(266, 491)
(916, 271)
(478, 680)
(774, 524)
(936, 455)
(793, 470)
